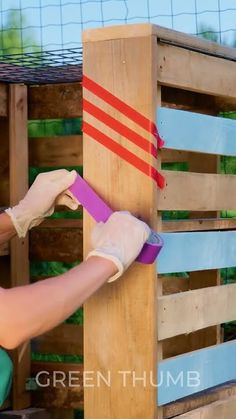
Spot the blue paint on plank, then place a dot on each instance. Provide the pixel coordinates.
(189, 131)
(186, 252)
(197, 371)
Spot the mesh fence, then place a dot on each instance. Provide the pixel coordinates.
(41, 34)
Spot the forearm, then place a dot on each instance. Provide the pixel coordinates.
(31, 310)
(7, 230)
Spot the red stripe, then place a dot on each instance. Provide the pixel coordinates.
(119, 127)
(123, 153)
(122, 107)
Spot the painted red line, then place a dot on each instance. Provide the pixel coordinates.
(126, 155)
(122, 107)
(117, 126)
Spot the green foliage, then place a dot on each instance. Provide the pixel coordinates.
(12, 38)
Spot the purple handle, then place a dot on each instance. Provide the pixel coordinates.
(100, 211)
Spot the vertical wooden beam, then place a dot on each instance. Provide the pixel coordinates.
(120, 320)
(18, 139)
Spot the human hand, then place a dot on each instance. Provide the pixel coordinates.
(120, 240)
(47, 190)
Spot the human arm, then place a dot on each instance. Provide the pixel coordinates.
(31, 310)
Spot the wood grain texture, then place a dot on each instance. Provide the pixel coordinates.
(197, 192)
(188, 311)
(66, 339)
(3, 100)
(118, 66)
(67, 394)
(217, 410)
(203, 73)
(18, 140)
(55, 101)
(194, 402)
(58, 244)
(56, 151)
(199, 224)
(4, 163)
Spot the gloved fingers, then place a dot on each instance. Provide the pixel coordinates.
(125, 218)
(63, 182)
(67, 199)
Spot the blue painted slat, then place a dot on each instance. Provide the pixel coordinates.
(198, 371)
(186, 252)
(189, 131)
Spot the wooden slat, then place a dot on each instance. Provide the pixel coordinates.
(4, 163)
(216, 410)
(188, 311)
(118, 66)
(179, 407)
(66, 339)
(4, 249)
(195, 102)
(5, 272)
(56, 395)
(197, 132)
(18, 138)
(209, 366)
(197, 192)
(54, 241)
(173, 156)
(56, 151)
(172, 284)
(3, 100)
(55, 101)
(199, 224)
(202, 73)
(197, 251)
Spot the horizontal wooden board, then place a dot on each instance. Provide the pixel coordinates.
(173, 156)
(66, 339)
(202, 73)
(217, 410)
(205, 397)
(57, 243)
(196, 371)
(189, 311)
(195, 132)
(187, 252)
(56, 394)
(199, 224)
(56, 151)
(197, 192)
(173, 284)
(55, 101)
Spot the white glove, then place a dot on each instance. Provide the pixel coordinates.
(120, 240)
(47, 190)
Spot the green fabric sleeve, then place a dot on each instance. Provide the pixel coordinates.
(6, 373)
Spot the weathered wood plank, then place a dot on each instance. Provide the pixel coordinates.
(57, 243)
(203, 73)
(55, 101)
(56, 151)
(173, 156)
(188, 311)
(18, 139)
(67, 392)
(217, 410)
(199, 224)
(210, 396)
(197, 192)
(66, 339)
(3, 100)
(4, 163)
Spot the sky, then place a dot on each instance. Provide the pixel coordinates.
(56, 24)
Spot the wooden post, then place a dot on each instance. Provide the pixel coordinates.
(18, 139)
(120, 320)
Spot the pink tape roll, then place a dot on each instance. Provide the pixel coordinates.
(100, 211)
